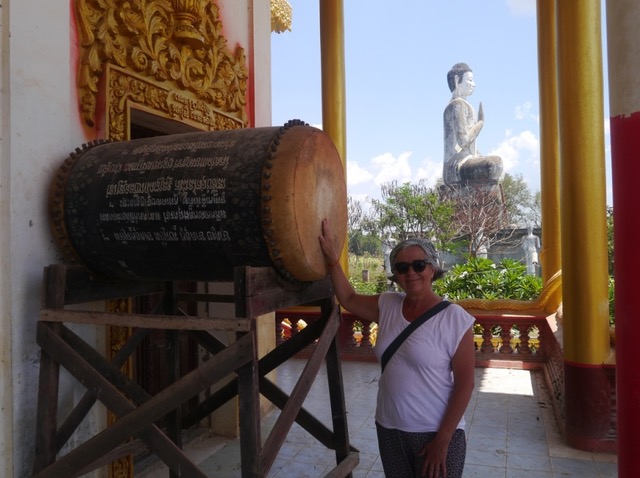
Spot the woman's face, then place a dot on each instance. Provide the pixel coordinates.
(412, 280)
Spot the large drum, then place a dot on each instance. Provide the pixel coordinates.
(193, 206)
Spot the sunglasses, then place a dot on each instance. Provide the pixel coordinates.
(417, 265)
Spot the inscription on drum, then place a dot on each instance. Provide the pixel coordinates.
(174, 206)
(167, 204)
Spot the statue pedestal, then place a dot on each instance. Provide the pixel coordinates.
(479, 170)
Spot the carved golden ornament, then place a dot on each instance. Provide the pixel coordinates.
(124, 89)
(152, 40)
(540, 306)
(280, 16)
(186, 13)
(117, 337)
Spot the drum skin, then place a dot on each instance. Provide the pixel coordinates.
(194, 206)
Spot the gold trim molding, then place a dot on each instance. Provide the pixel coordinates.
(125, 90)
(121, 467)
(173, 44)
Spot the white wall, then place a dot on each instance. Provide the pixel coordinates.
(42, 127)
(39, 127)
(248, 23)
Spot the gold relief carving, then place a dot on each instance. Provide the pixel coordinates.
(124, 89)
(176, 44)
(186, 13)
(122, 467)
(280, 16)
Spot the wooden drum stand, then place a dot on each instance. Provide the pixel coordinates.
(257, 291)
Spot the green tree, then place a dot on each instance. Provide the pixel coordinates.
(479, 215)
(411, 210)
(361, 244)
(522, 206)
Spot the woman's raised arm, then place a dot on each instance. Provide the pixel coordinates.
(364, 306)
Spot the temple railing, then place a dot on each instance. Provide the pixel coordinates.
(500, 340)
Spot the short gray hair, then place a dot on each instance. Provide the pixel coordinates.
(426, 246)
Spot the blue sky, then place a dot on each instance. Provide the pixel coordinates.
(397, 58)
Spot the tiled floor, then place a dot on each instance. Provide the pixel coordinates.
(511, 432)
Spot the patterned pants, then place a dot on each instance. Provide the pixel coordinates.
(399, 452)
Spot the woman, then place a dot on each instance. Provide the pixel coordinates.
(425, 388)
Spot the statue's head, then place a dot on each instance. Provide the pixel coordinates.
(459, 69)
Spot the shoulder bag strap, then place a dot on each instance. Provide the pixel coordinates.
(397, 342)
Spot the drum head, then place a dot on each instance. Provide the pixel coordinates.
(305, 184)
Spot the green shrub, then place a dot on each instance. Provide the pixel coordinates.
(477, 279)
(377, 278)
(612, 302)
(481, 278)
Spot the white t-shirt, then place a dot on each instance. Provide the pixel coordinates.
(417, 382)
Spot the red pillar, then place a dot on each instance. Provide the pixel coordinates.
(623, 39)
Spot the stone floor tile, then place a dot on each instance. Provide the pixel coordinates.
(530, 462)
(607, 469)
(511, 431)
(497, 458)
(515, 473)
(480, 471)
(573, 468)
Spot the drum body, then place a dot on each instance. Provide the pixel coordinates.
(193, 206)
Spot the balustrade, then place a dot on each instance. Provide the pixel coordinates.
(509, 341)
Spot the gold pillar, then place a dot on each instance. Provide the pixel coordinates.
(334, 115)
(584, 228)
(583, 213)
(550, 256)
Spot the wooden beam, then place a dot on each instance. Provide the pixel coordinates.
(345, 467)
(84, 286)
(306, 420)
(249, 417)
(76, 416)
(261, 290)
(134, 422)
(336, 393)
(46, 412)
(170, 322)
(278, 433)
(269, 362)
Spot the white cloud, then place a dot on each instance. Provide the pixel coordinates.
(363, 181)
(523, 111)
(389, 168)
(430, 171)
(522, 7)
(524, 145)
(356, 174)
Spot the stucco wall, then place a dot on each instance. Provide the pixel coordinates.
(39, 127)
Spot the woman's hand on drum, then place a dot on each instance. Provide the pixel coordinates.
(326, 244)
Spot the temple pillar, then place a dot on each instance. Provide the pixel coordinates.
(334, 116)
(623, 39)
(550, 257)
(583, 219)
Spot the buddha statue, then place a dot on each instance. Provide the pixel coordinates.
(463, 164)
